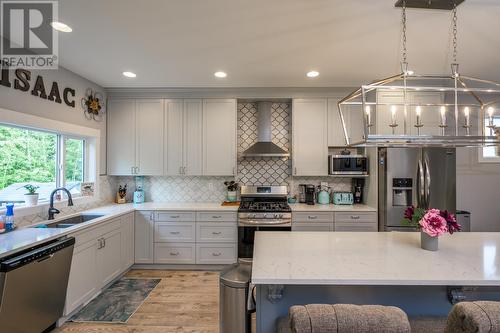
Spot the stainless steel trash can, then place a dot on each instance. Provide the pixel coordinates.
(234, 286)
(463, 218)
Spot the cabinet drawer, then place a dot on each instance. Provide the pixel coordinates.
(312, 226)
(93, 233)
(356, 217)
(175, 232)
(356, 226)
(175, 216)
(175, 253)
(216, 253)
(220, 232)
(312, 216)
(216, 217)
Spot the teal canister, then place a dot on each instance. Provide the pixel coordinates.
(323, 197)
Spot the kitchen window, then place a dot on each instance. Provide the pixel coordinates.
(44, 159)
(490, 154)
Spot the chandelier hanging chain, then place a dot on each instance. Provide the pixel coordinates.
(454, 65)
(404, 55)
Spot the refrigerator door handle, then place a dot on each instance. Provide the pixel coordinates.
(420, 184)
(427, 183)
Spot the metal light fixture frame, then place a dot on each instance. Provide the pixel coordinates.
(454, 139)
(459, 85)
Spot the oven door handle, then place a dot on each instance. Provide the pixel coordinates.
(264, 223)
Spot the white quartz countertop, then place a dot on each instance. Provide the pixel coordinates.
(299, 207)
(370, 258)
(27, 237)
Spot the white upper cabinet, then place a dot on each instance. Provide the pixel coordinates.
(219, 137)
(310, 137)
(149, 137)
(135, 137)
(121, 137)
(336, 136)
(172, 137)
(174, 113)
(193, 137)
(183, 137)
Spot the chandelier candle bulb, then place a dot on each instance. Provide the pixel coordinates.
(368, 116)
(443, 115)
(393, 114)
(419, 114)
(467, 116)
(491, 111)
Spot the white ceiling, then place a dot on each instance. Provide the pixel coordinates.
(268, 43)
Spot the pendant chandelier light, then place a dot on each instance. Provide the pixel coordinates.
(407, 109)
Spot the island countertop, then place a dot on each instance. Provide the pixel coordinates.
(375, 258)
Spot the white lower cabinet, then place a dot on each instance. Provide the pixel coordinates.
(184, 232)
(144, 233)
(216, 253)
(100, 256)
(340, 221)
(109, 260)
(128, 241)
(354, 221)
(82, 284)
(175, 253)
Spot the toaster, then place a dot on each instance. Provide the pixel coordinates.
(343, 198)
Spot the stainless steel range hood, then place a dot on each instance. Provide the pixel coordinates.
(264, 147)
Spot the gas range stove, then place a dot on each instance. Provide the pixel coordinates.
(264, 206)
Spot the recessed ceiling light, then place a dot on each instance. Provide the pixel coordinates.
(129, 74)
(59, 26)
(220, 74)
(312, 74)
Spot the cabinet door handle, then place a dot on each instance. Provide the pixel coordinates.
(180, 170)
(218, 254)
(216, 216)
(216, 232)
(131, 170)
(312, 217)
(136, 170)
(355, 217)
(99, 242)
(295, 170)
(151, 216)
(174, 253)
(104, 242)
(174, 216)
(174, 232)
(184, 170)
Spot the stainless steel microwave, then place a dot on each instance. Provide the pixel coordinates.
(347, 165)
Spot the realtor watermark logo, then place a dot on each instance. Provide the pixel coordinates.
(28, 39)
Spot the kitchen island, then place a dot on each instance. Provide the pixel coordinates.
(371, 268)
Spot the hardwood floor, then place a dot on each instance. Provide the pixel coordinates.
(184, 301)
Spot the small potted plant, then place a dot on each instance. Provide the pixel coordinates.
(232, 188)
(31, 198)
(432, 223)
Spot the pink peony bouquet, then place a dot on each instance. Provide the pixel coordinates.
(433, 222)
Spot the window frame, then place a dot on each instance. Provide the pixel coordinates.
(61, 138)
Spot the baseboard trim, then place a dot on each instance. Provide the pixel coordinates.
(180, 267)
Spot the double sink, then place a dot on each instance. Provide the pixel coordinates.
(74, 220)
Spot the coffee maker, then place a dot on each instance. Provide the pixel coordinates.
(302, 193)
(357, 188)
(310, 194)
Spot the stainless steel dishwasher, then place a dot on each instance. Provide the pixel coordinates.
(33, 285)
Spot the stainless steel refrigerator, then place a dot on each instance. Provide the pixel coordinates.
(423, 177)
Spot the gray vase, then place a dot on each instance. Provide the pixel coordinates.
(428, 242)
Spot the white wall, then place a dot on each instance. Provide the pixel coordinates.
(21, 101)
(478, 190)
